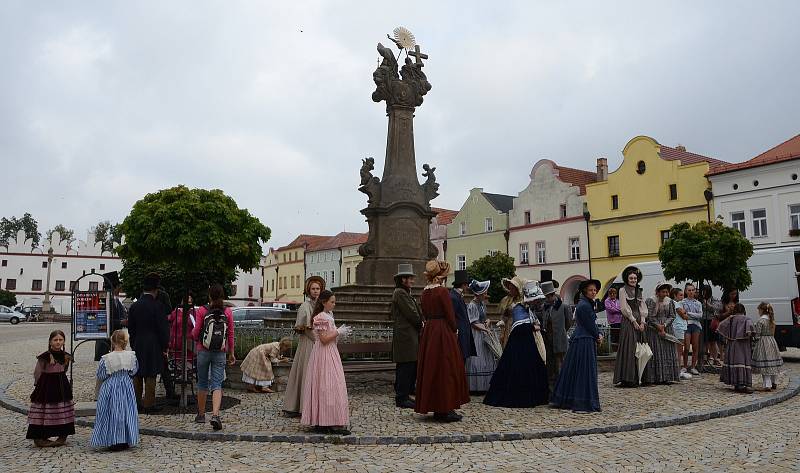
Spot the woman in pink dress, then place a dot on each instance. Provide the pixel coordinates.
(324, 396)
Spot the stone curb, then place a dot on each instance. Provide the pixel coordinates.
(790, 391)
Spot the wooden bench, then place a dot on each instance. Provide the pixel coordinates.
(366, 365)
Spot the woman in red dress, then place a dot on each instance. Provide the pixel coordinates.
(441, 379)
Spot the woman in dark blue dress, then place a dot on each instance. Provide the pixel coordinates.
(576, 387)
(520, 379)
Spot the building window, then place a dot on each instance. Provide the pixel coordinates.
(541, 253)
(614, 202)
(73, 286)
(461, 262)
(492, 252)
(44, 264)
(348, 275)
(93, 286)
(64, 265)
(233, 290)
(613, 245)
(36, 285)
(673, 192)
(523, 253)
(462, 228)
(759, 223)
(333, 278)
(60, 285)
(488, 224)
(4, 263)
(11, 284)
(527, 217)
(280, 283)
(664, 236)
(271, 285)
(794, 217)
(574, 249)
(737, 222)
(102, 267)
(295, 256)
(563, 210)
(260, 292)
(249, 291)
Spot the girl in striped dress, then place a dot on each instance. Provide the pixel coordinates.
(116, 423)
(767, 359)
(52, 411)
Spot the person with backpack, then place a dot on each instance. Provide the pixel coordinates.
(213, 335)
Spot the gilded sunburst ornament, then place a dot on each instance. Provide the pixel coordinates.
(404, 38)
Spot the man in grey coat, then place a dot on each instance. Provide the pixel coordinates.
(407, 317)
(556, 320)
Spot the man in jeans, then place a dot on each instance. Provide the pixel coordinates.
(149, 335)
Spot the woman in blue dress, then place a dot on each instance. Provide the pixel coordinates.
(116, 423)
(520, 379)
(576, 387)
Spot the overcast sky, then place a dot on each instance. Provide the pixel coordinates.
(102, 102)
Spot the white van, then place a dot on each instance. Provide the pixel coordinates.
(774, 273)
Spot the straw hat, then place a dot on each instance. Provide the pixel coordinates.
(516, 281)
(314, 279)
(435, 270)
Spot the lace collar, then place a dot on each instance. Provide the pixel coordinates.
(119, 360)
(432, 286)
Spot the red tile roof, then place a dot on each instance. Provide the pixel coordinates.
(786, 151)
(576, 177)
(444, 216)
(304, 241)
(340, 241)
(685, 157)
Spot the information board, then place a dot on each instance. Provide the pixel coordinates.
(90, 315)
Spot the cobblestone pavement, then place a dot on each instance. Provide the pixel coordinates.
(373, 413)
(769, 439)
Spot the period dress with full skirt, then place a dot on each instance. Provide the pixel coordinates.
(292, 398)
(441, 378)
(663, 366)
(737, 367)
(481, 366)
(766, 354)
(257, 365)
(324, 388)
(633, 309)
(52, 410)
(116, 420)
(520, 379)
(576, 386)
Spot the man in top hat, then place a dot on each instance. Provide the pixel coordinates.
(465, 340)
(149, 334)
(407, 317)
(117, 316)
(556, 320)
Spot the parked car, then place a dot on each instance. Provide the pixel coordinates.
(7, 314)
(254, 316)
(30, 312)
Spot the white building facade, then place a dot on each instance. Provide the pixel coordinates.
(547, 226)
(761, 197)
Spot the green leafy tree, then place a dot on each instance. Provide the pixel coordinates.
(707, 252)
(10, 227)
(193, 235)
(108, 234)
(66, 234)
(493, 268)
(8, 298)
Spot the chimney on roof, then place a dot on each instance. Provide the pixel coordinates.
(602, 169)
(681, 148)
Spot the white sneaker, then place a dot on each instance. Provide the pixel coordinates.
(694, 372)
(685, 375)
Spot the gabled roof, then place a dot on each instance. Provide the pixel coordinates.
(576, 177)
(341, 240)
(786, 151)
(444, 216)
(303, 240)
(685, 157)
(502, 203)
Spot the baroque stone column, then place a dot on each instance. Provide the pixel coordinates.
(398, 210)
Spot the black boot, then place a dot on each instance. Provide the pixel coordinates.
(404, 403)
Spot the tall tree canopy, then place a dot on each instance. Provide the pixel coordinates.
(8, 298)
(707, 252)
(108, 234)
(493, 268)
(193, 233)
(9, 227)
(66, 234)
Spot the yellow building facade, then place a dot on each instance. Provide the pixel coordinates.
(285, 269)
(632, 208)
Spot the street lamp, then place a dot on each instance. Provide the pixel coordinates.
(708, 196)
(586, 217)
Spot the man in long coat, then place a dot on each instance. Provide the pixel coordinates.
(556, 320)
(149, 335)
(465, 340)
(406, 314)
